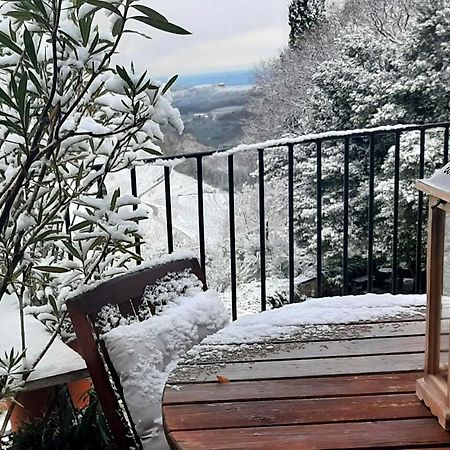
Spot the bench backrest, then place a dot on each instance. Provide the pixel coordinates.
(125, 291)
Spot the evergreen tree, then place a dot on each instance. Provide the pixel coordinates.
(303, 16)
(370, 82)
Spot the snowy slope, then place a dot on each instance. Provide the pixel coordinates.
(150, 181)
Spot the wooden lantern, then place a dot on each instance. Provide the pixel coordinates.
(434, 387)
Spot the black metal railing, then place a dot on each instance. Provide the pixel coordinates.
(344, 139)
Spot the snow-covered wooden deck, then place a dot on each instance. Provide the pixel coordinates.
(347, 386)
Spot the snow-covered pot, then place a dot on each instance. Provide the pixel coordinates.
(433, 387)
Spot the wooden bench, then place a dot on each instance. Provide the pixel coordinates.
(125, 291)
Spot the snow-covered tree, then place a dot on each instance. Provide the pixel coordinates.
(408, 194)
(372, 77)
(248, 237)
(68, 118)
(304, 15)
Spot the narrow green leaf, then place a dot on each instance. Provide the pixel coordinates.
(114, 199)
(85, 29)
(161, 25)
(141, 79)
(97, 241)
(80, 225)
(104, 5)
(72, 250)
(123, 74)
(80, 174)
(101, 49)
(52, 302)
(51, 269)
(20, 15)
(42, 236)
(13, 126)
(117, 27)
(36, 82)
(40, 6)
(169, 84)
(91, 13)
(22, 93)
(12, 32)
(14, 89)
(29, 47)
(151, 151)
(149, 12)
(94, 42)
(5, 40)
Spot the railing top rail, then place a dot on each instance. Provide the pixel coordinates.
(171, 160)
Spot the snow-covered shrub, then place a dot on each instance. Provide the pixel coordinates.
(68, 118)
(248, 256)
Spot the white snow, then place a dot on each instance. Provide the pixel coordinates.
(440, 179)
(58, 360)
(151, 191)
(164, 259)
(330, 310)
(144, 353)
(24, 221)
(312, 138)
(89, 125)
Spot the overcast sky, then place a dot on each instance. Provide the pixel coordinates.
(226, 34)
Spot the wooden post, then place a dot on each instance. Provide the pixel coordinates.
(435, 260)
(433, 388)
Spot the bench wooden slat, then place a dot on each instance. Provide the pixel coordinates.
(345, 435)
(204, 416)
(298, 368)
(207, 354)
(292, 388)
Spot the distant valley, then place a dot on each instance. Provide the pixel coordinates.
(214, 115)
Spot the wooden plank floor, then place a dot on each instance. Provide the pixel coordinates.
(345, 387)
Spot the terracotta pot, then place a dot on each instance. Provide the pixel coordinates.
(33, 405)
(79, 389)
(79, 392)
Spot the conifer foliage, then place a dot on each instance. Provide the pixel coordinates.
(366, 77)
(303, 16)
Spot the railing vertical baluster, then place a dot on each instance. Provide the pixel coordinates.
(370, 214)
(418, 274)
(319, 218)
(446, 133)
(232, 237)
(262, 227)
(134, 192)
(201, 217)
(168, 198)
(345, 218)
(291, 219)
(395, 218)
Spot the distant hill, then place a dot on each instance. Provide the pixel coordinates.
(229, 78)
(206, 98)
